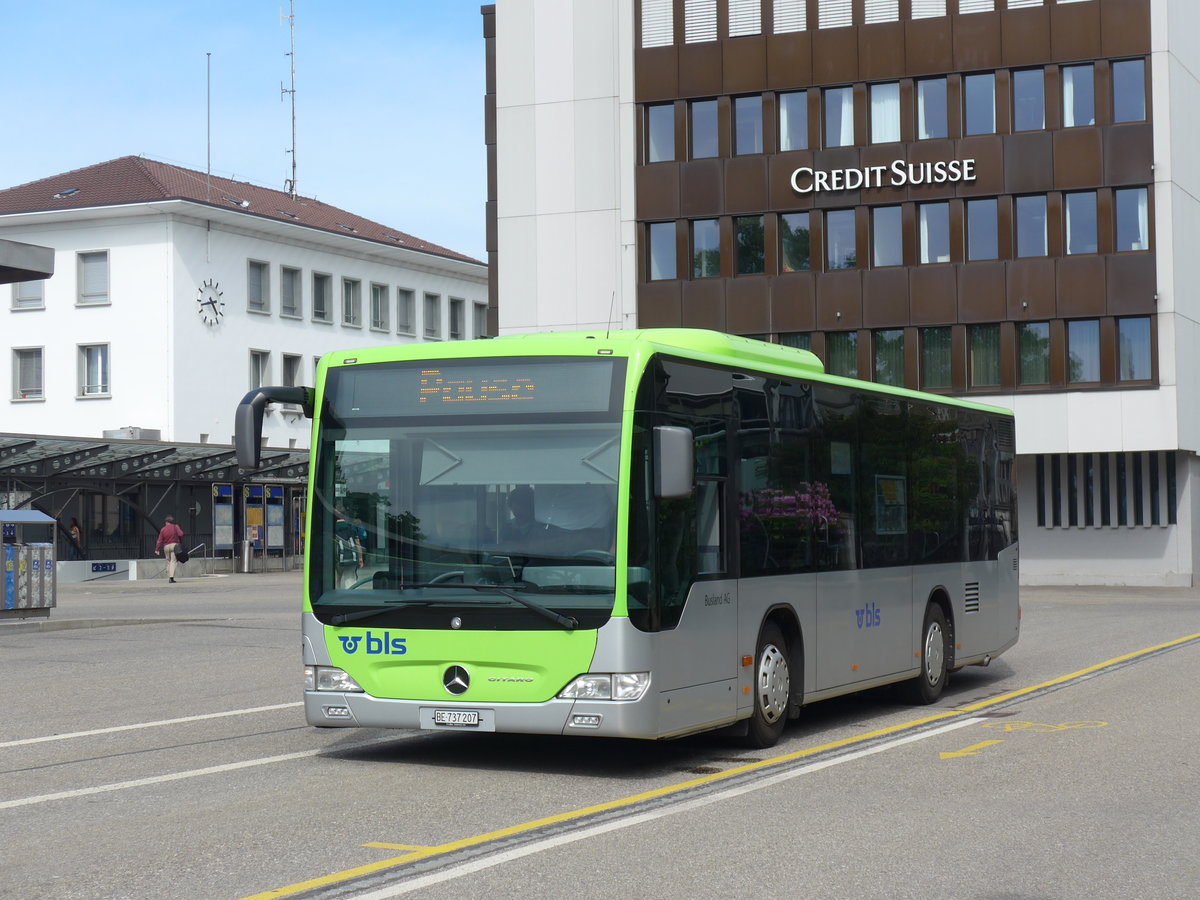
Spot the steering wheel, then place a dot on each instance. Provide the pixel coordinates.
(446, 576)
(601, 556)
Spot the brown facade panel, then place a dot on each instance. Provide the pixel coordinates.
(780, 195)
(1025, 36)
(837, 158)
(744, 64)
(657, 189)
(835, 55)
(931, 152)
(700, 69)
(1029, 289)
(793, 302)
(703, 304)
(885, 298)
(928, 46)
(933, 295)
(789, 60)
(1028, 162)
(981, 292)
(659, 304)
(1131, 284)
(746, 184)
(988, 152)
(839, 300)
(1074, 31)
(884, 155)
(748, 305)
(490, 221)
(701, 188)
(1078, 158)
(1081, 287)
(881, 51)
(977, 41)
(1124, 27)
(1129, 154)
(656, 73)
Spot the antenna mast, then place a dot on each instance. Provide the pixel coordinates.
(208, 113)
(290, 184)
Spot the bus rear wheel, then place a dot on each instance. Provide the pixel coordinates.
(772, 688)
(927, 687)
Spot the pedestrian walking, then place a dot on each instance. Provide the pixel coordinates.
(170, 539)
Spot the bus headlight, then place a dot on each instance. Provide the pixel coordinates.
(326, 678)
(617, 686)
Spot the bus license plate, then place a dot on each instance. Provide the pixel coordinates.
(456, 718)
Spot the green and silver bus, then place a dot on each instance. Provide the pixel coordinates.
(640, 534)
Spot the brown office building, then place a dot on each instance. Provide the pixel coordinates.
(997, 199)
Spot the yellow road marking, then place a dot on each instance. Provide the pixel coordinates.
(968, 751)
(679, 787)
(411, 848)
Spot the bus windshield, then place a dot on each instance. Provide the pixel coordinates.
(490, 509)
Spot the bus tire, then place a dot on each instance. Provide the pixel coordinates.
(927, 687)
(772, 688)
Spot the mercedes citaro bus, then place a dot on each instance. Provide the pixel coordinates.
(638, 534)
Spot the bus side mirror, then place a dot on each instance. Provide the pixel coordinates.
(674, 464)
(248, 419)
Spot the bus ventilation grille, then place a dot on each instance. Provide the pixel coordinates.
(971, 597)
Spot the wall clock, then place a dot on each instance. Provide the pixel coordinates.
(209, 303)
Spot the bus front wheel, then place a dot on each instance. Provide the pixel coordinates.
(927, 687)
(772, 688)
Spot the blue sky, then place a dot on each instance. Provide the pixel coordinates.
(389, 99)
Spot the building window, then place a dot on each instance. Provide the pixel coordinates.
(885, 112)
(1033, 351)
(1129, 90)
(703, 128)
(657, 23)
(380, 303)
(352, 302)
(662, 251)
(840, 249)
(1031, 225)
(842, 349)
(800, 340)
(660, 132)
(889, 357)
(793, 121)
(793, 242)
(881, 11)
(27, 374)
(839, 116)
(458, 315)
(1079, 96)
(405, 312)
(93, 278)
(1029, 100)
(791, 16)
(706, 248)
(322, 297)
(984, 350)
(1081, 222)
(745, 17)
(982, 231)
(751, 255)
(93, 370)
(929, 9)
(699, 20)
(1133, 349)
(747, 125)
(935, 232)
(1133, 219)
(28, 295)
(979, 103)
(1083, 351)
(886, 230)
(290, 303)
(433, 316)
(481, 326)
(835, 14)
(260, 368)
(935, 358)
(931, 108)
(291, 369)
(258, 286)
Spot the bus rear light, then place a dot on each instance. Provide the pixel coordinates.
(617, 686)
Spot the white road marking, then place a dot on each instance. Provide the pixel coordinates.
(549, 843)
(137, 725)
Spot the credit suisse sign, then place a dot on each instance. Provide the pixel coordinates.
(900, 173)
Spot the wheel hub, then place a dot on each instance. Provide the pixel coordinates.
(774, 684)
(934, 653)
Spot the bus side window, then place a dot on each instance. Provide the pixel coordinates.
(710, 545)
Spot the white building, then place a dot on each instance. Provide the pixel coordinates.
(174, 293)
(645, 157)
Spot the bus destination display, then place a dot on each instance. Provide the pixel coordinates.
(436, 386)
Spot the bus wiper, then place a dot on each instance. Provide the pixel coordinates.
(570, 623)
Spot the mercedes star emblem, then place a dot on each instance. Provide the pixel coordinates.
(456, 680)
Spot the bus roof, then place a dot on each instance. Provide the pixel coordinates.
(691, 343)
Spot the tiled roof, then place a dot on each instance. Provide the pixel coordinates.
(135, 179)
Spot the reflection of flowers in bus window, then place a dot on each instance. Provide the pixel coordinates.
(785, 513)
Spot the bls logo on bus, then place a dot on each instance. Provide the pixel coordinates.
(386, 645)
(868, 616)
